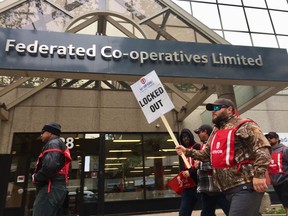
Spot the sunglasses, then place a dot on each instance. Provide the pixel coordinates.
(215, 107)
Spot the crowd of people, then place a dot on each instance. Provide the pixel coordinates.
(232, 164)
(228, 168)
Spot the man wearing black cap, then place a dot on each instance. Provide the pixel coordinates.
(51, 172)
(240, 156)
(210, 195)
(278, 169)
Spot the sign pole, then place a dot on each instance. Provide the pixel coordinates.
(174, 140)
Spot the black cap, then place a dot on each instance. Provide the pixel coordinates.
(224, 102)
(204, 127)
(272, 135)
(53, 128)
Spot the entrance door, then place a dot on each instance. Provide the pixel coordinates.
(16, 198)
(90, 192)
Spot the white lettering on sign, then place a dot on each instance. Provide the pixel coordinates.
(152, 97)
(108, 53)
(45, 50)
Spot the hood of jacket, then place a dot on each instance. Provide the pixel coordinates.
(189, 133)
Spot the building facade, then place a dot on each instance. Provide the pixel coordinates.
(121, 164)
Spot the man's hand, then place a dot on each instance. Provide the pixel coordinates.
(33, 179)
(186, 173)
(259, 184)
(180, 150)
(197, 164)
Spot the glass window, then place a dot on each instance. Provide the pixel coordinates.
(238, 38)
(234, 2)
(283, 41)
(279, 4)
(161, 165)
(279, 23)
(212, 21)
(254, 3)
(220, 33)
(233, 18)
(123, 167)
(35, 16)
(185, 5)
(77, 8)
(204, 0)
(263, 40)
(137, 168)
(259, 20)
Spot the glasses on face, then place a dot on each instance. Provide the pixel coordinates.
(218, 107)
(270, 137)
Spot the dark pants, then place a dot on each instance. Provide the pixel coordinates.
(188, 201)
(245, 201)
(49, 204)
(211, 201)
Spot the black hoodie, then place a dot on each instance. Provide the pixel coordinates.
(194, 145)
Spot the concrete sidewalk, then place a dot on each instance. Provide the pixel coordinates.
(219, 212)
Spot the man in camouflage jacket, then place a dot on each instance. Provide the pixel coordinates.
(243, 182)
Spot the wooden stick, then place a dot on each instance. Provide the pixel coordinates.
(175, 140)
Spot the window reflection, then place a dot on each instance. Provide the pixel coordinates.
(162, 164)
(139, 167)
(123, 167)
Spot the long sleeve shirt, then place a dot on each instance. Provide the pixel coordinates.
(250, 144)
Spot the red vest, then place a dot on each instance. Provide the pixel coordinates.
(223, 147)
(276, 163)
(65, 168)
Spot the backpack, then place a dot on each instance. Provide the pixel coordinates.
(64, 170)
(223, 148)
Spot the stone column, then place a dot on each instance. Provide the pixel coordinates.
(226, 91)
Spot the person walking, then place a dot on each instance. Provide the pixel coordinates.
(211, 197)
(189, 196)
(51, 172)
(278, 169)
(240, 156)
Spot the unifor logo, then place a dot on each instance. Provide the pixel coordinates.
(217, 145)
(143, 80)
(145, 83)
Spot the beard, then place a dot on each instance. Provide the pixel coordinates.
(221, 119)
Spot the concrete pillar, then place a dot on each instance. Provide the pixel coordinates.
(226, 91)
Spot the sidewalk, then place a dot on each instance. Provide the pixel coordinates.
(219, 212)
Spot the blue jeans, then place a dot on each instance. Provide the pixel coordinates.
(49, 204)
(245, 202)
(211, 201)
(188, 201)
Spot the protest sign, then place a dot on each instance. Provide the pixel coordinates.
(152, 96)
(155, 102)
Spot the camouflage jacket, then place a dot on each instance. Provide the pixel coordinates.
(250, 144)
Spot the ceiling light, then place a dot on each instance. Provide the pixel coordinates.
(168, 150)
(159, 157)
(113, 164)
(120, 150)
(114, 158)
(126, 141)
